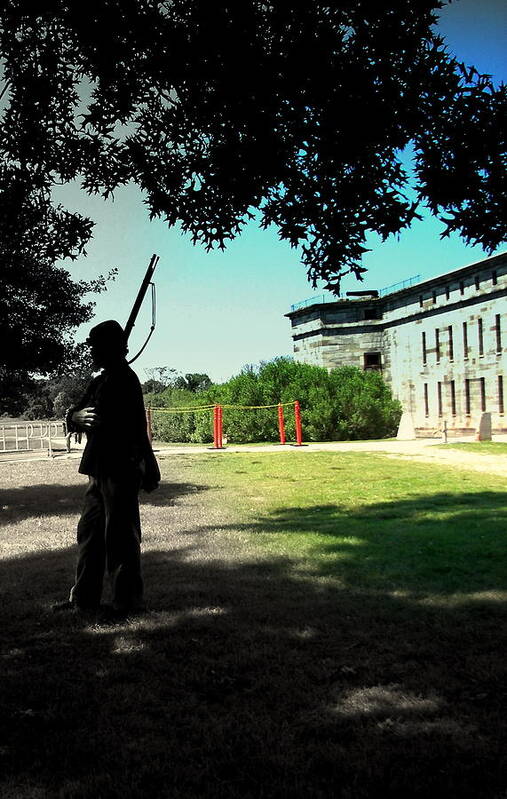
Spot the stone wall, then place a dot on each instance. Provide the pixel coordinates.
(439, 381)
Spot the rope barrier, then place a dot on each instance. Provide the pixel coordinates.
(218, 408)
(255, 407)
(210, 407)
(184, 410)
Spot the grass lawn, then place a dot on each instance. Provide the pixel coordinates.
(170, 444)
(481, 447)
(321, 625)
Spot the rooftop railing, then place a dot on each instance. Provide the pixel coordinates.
(403, 284)
(318, 299)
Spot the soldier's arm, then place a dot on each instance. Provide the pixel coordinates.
(82, 417)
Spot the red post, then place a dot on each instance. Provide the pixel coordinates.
(149, 427)
(215, 426)
(297, 419)
(220, 426)
(281, 423)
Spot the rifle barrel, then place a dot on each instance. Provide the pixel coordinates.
(140, 296)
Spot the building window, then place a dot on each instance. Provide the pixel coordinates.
(481, 336)
(424, 351)
(451, 343)
(439, 397)
(465, 341)
(372, 361)
(467, 397)
(498, 332)
(500, 394)
(426, 401)
(434, 296)
(453, 398)
(494, 277)
(447, 293)
(483, 393)
(420, 301)
(477, 282)
(461, 287)
(437, 344)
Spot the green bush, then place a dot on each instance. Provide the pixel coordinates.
(364, 407)
(177, 427)
(345, 403)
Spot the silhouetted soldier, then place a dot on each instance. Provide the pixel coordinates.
(119, 461)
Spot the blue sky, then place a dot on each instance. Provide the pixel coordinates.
(220, 311)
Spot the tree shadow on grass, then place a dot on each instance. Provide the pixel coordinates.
(256, 678)
(446, 543)
(53, 499)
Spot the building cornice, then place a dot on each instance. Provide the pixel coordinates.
(416, 288)
(380, 325)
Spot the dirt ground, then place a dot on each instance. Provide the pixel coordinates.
(421, 450)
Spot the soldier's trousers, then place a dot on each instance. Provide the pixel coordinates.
(109, 538)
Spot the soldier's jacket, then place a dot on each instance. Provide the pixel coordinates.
(120, 442)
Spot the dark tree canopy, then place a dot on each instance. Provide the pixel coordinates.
(298, 108)
(40, 300)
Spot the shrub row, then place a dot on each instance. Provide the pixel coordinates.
(345, 403)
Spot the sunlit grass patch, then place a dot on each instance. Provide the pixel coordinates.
(372, 522)
(478, 447)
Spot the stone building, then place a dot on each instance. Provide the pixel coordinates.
(441, 344)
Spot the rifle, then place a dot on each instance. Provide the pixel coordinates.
(138, 302)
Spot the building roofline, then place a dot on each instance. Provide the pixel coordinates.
(416, 286)
(455, 272)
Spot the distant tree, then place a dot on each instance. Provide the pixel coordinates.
(153, 387)
(298, 109)
(47, 397)
(38, 404)
(193, 382)
(16, 386)
(162, 375)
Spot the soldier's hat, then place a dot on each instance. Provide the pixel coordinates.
(108, 332)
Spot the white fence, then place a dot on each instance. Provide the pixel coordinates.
(30, 436)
